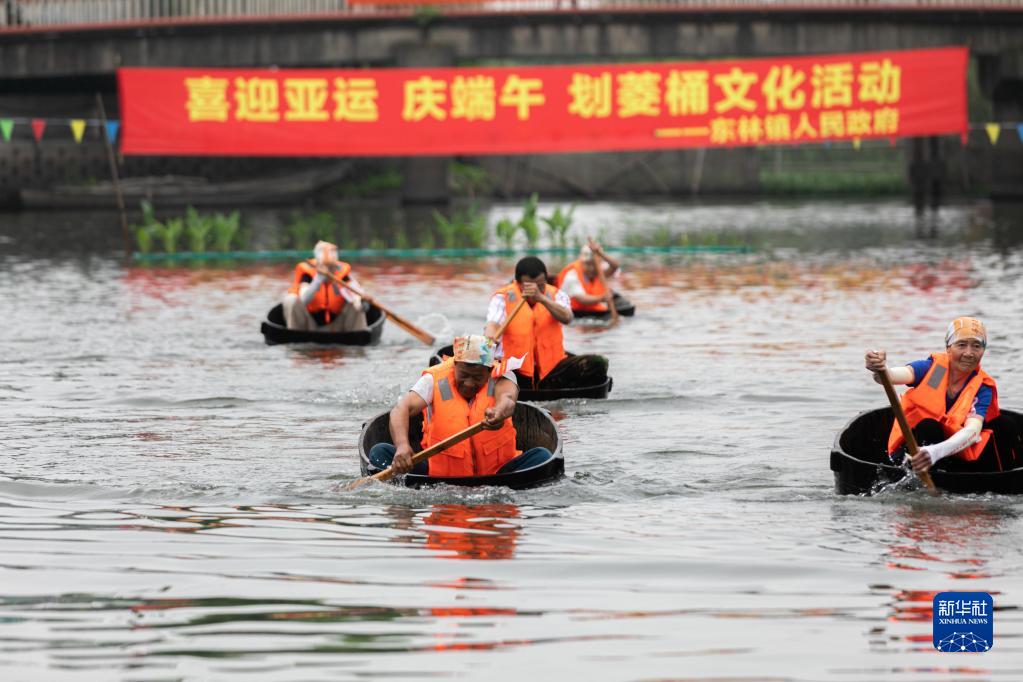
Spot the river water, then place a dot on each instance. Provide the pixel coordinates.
(168, 483)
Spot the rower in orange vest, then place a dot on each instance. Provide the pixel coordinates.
(950, 405)
(579, 279)
(535, 332)
(459, 392)
(316, 303)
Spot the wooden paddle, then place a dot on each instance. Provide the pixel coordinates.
(397, 319)
(515, 311)
(911, 446)
(603, 282)
(422, 455)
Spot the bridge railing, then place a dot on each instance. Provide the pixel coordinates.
(58, 13)
(41, 15)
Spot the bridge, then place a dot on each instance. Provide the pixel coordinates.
(56, 53)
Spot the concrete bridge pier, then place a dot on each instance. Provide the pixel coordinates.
(926, 173)
(425, 178)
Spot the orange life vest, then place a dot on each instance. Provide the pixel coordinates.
(534, 333)
(593, 287)
(449, 413)
(927, 401)
(328, 299)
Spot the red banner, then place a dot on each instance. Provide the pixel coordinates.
(509, 110)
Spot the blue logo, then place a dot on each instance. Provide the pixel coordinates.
(964, 622)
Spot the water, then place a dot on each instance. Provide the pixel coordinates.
(168, 484)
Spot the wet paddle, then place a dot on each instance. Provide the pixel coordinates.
(911, 446)
(421, 456)
(397, 319)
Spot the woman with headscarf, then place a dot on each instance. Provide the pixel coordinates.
(950, 404)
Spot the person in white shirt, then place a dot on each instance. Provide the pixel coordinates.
(579, 279)
(316, 302)
(534, 333)
(469, 387)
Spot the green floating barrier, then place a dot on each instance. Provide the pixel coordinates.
(424, 254)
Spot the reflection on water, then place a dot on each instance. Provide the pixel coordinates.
(485, 532)
(972, 529)
(169, 503)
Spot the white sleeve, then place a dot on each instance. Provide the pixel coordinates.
(561, 298)
(348, 294)
(960, 440)
(424, 388)
(307, 290)
(510, 375)
(571, 284)
(496, 311)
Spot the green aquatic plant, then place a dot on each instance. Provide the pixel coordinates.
(172, 230)
(225, 228)
(305, 230)
(150, 229)
(472, 228)
(558, 225)
(528, 222)
(197, 228)
(148, 214)
(325, 227)
(300, 232)
(401, 240)
(464, 229)
(144, 239)
(506, 230)
(447, 229)
(662, 236)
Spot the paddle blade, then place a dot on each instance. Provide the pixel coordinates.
(397, 319)
(415, 331)
(359, 482)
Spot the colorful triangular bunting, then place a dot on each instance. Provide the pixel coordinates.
(78, 128)
(6, 126)
(993, 131)
(112, 127)
(38, 126)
